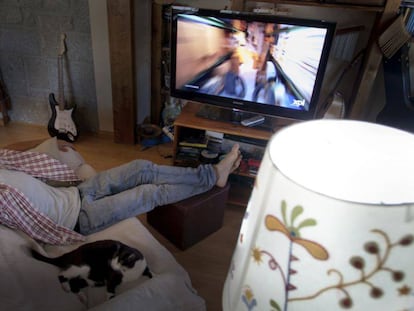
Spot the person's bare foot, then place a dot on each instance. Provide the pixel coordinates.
(227, 165)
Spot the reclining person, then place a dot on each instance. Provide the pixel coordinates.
(62, 215)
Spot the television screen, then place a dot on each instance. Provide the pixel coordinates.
(264, 64)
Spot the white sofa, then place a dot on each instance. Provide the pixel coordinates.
(28, 284)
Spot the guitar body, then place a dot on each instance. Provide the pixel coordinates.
(61, 123)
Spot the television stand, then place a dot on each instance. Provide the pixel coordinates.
(193, 123)
(233, 116)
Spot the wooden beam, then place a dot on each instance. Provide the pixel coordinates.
(360, 106)
(237, 5)
(4, 103)
(122, 70)
(156, 59)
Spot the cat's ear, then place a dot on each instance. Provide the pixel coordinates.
(117, 249)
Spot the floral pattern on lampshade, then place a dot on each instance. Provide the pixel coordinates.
(366, 276)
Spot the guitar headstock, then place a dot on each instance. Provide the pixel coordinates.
(62, 45)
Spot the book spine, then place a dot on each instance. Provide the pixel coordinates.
(187, 144)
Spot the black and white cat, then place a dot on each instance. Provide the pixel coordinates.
(102, 263)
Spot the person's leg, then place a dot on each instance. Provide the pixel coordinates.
(96, 215)
(140, 172)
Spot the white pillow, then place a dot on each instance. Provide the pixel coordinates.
(70, 157)
(49, 146)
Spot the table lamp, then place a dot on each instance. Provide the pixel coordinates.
(330, 222)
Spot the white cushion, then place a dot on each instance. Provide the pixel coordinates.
(49, 146)
(70, 157)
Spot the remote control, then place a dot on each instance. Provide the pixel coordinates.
(253, 121)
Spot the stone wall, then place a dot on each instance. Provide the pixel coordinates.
(29, 40)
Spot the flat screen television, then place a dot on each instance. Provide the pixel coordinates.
(255, 63)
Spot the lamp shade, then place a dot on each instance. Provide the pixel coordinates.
(330, 222)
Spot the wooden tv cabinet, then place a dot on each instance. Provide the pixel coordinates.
(189, 122)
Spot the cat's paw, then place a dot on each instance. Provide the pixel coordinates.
(83, 298)
(66, 287)
(109, 295)
(64, 283)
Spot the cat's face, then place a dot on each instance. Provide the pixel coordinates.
(132, 265)
(128, 258)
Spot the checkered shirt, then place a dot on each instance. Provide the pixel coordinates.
(15, 209)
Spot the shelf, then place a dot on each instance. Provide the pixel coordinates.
(188, 124)
(188, 117)
(376, 6)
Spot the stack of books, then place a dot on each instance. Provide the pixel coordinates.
(214, 141)
(253, 165)
(189, 150)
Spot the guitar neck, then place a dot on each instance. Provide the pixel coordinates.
(61, 95)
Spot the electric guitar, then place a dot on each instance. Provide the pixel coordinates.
(61, 123)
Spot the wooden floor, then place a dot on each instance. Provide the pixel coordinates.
(208, 261)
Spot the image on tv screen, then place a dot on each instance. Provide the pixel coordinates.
(265, 63)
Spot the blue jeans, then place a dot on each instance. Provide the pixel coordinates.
(135, 188)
